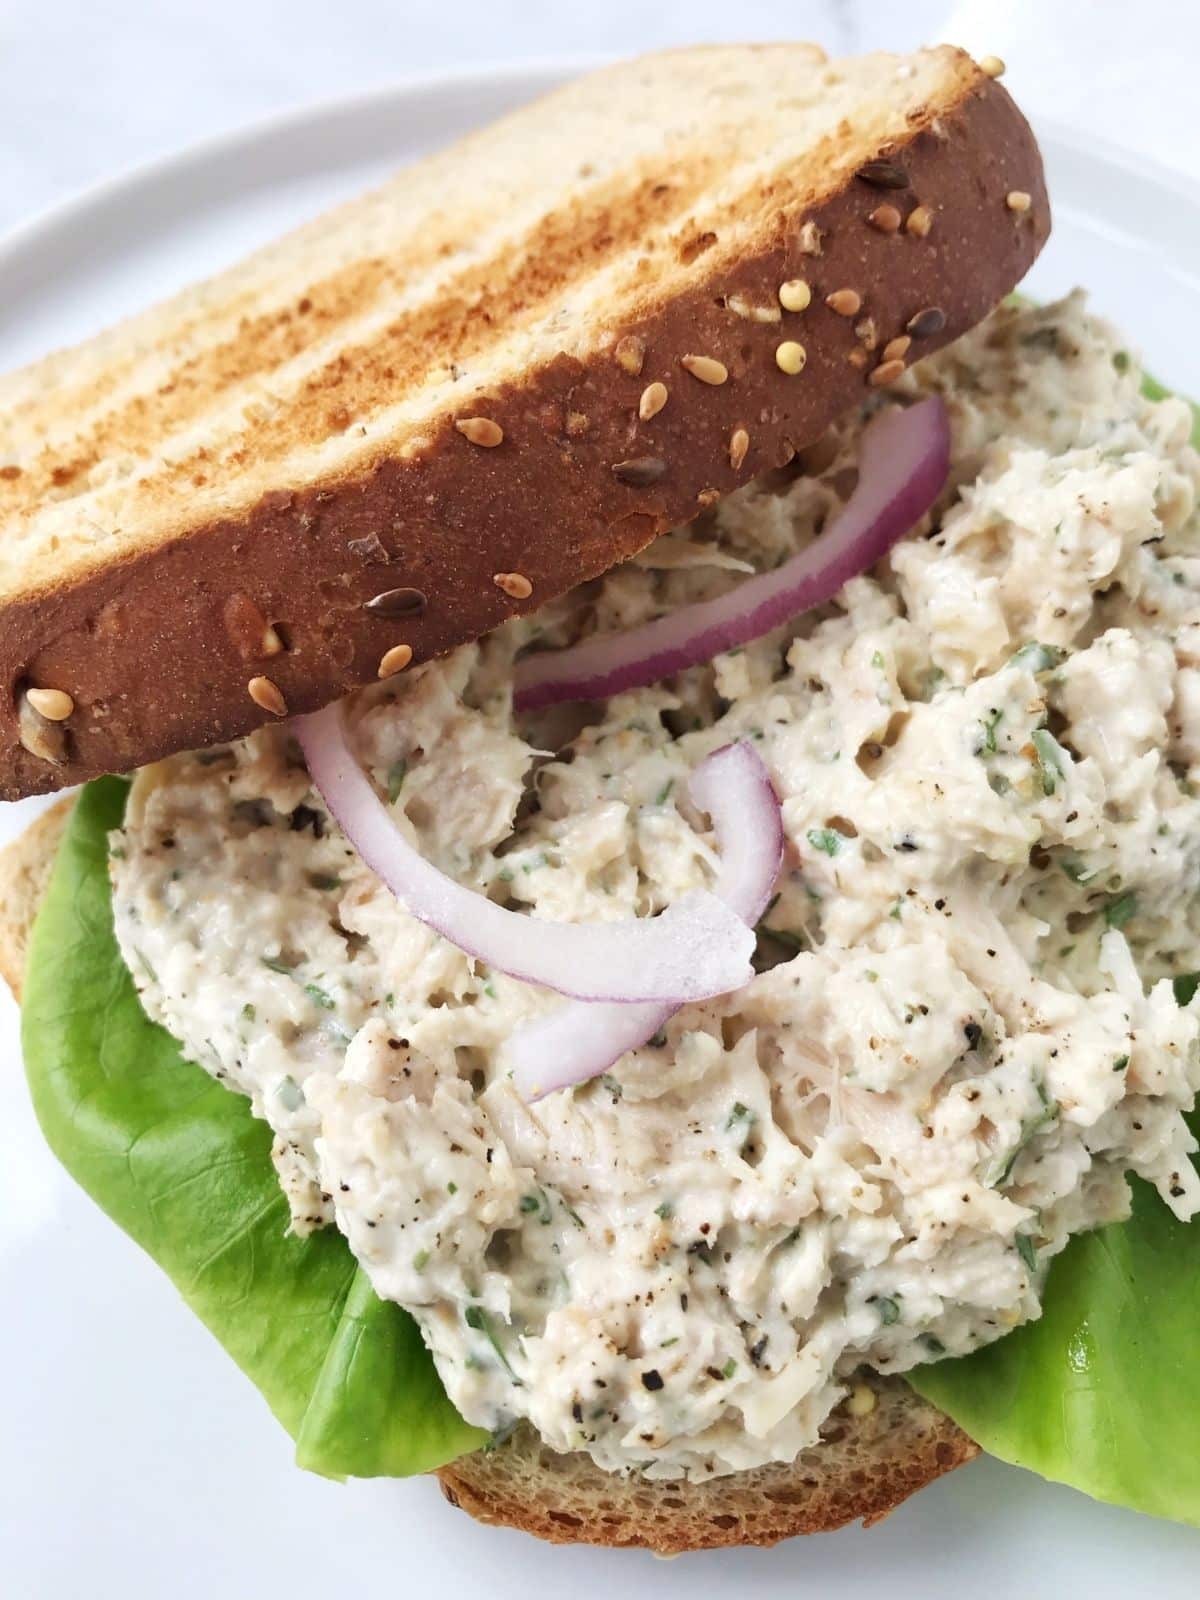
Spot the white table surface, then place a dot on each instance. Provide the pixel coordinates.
(89, 87)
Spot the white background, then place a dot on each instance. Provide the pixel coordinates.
(88, 87)
(134, 1461)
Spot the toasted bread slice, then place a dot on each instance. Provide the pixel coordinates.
(867, 1463)
(863, 1468)
(498, 375)
(24, 872)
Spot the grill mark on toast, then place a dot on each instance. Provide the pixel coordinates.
(512, 287)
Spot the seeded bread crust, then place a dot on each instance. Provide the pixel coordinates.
(866, 1464)
(863, 1468)
(183, 598)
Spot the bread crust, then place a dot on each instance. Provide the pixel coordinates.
(158, 650)
(24, 872)
(863, 1468)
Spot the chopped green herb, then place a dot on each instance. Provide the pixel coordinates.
(537, 1203)
(573, 1214)
(889, 1311)
(396, 775)
(664, 794)
(324, 880)
(666, 1211)
(871, 975)
(1026, 1251)
(1001, 1169)
(421, 1260)
(739, 1114)
(827, 840)
(277, 964)
(1119, 911)
(451, 1188)
(319, 997)
(1120, 1063)
(1036, 657)
(248, 1012)
(476, 1317)
(1049, 758)
(730, 1367)
(489, 989)
(1185, 986)
(667, 1343)
(878, 662)
(990, 724)
(1120, 360)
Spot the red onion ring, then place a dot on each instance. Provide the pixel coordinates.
(697, 948)
(903, 462)
(576, 1042)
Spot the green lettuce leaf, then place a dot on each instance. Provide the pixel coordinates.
(181, 1165)
(1101, 1392)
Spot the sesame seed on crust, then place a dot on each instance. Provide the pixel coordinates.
(394, 660)
(739, 443)
(846, 302)
(397, 603)
(707, 368)
(993, 66)
(654, 398)
(630, 353)
(514, 584)
(886, 218)
(56, 705)
(886, 372)
(926, 322)
(896, 349)
(267, 696)
(1017, 200)
(639, 472)
(920, 222)
(480, 430)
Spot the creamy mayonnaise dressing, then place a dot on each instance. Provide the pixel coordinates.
(964, 1031)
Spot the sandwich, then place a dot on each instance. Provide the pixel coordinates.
(644, 959)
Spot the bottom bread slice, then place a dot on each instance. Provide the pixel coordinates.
(863, 1468)
(868, 1461)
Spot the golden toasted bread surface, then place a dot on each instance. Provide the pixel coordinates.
(498, 375)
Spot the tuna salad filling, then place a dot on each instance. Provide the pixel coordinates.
(962, 1032)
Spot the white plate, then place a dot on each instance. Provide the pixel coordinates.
(134, 1459)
